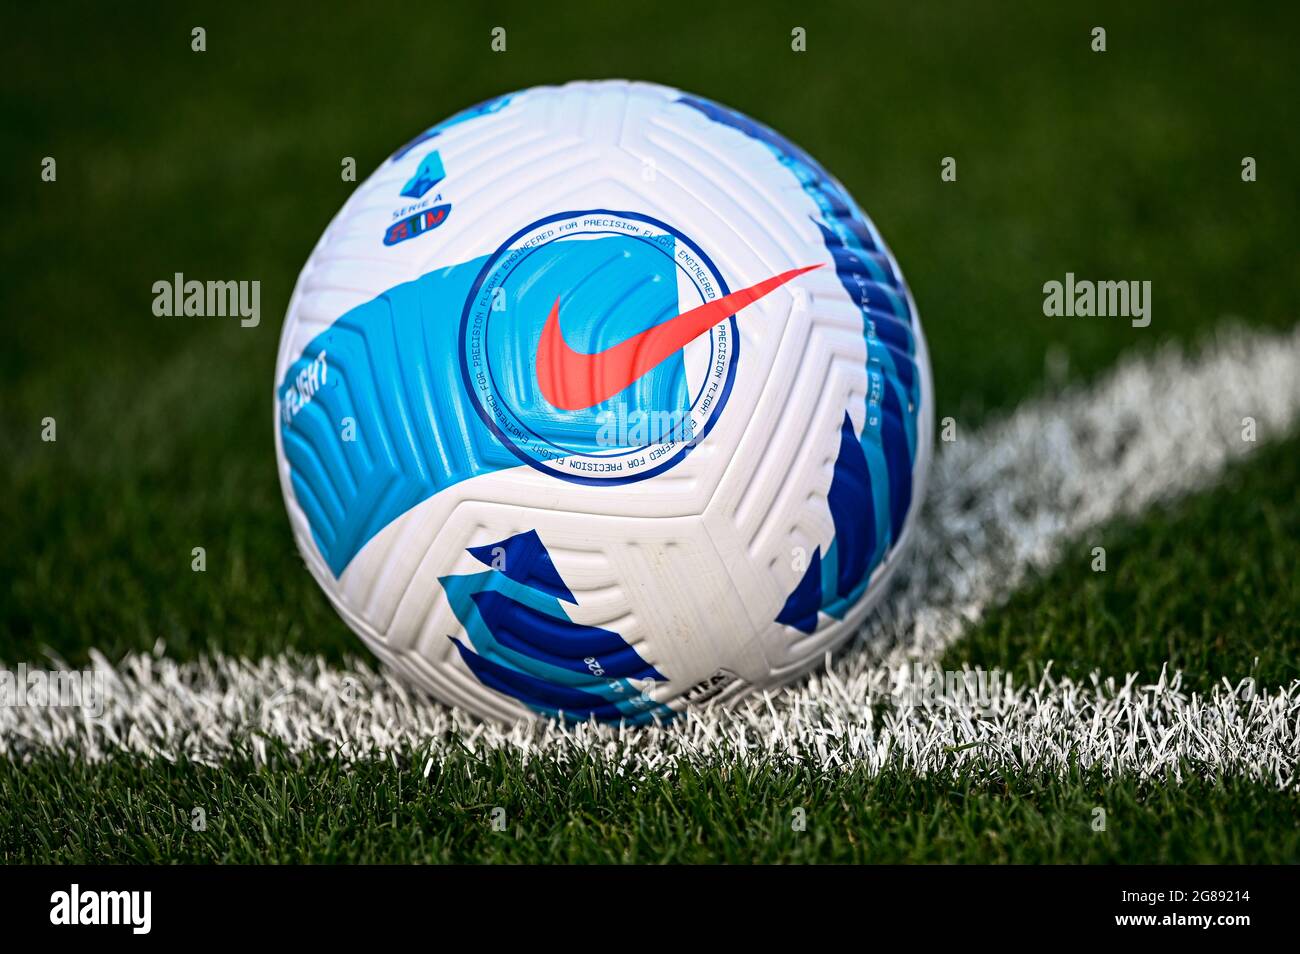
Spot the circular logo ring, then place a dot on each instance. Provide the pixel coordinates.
(511, 428)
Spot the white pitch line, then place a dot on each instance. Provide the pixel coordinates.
(1006, 500)
(203, 710)
(1003, 501)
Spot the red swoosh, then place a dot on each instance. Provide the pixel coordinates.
(571, 380)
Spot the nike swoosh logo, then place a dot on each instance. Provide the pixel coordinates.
(572, 381)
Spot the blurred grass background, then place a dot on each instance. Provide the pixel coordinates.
(225, 165)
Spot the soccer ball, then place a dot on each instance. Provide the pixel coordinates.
(601, 402)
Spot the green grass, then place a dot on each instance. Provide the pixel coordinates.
(225, 165)
(136, 810)
(1208, 585)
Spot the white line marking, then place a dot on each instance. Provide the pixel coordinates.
(1004, 501)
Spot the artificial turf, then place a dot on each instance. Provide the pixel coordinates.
(226, 165)
(1208, 585)
(320, 810)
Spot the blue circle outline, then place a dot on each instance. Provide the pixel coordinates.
(565, 451)
(492, 425)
